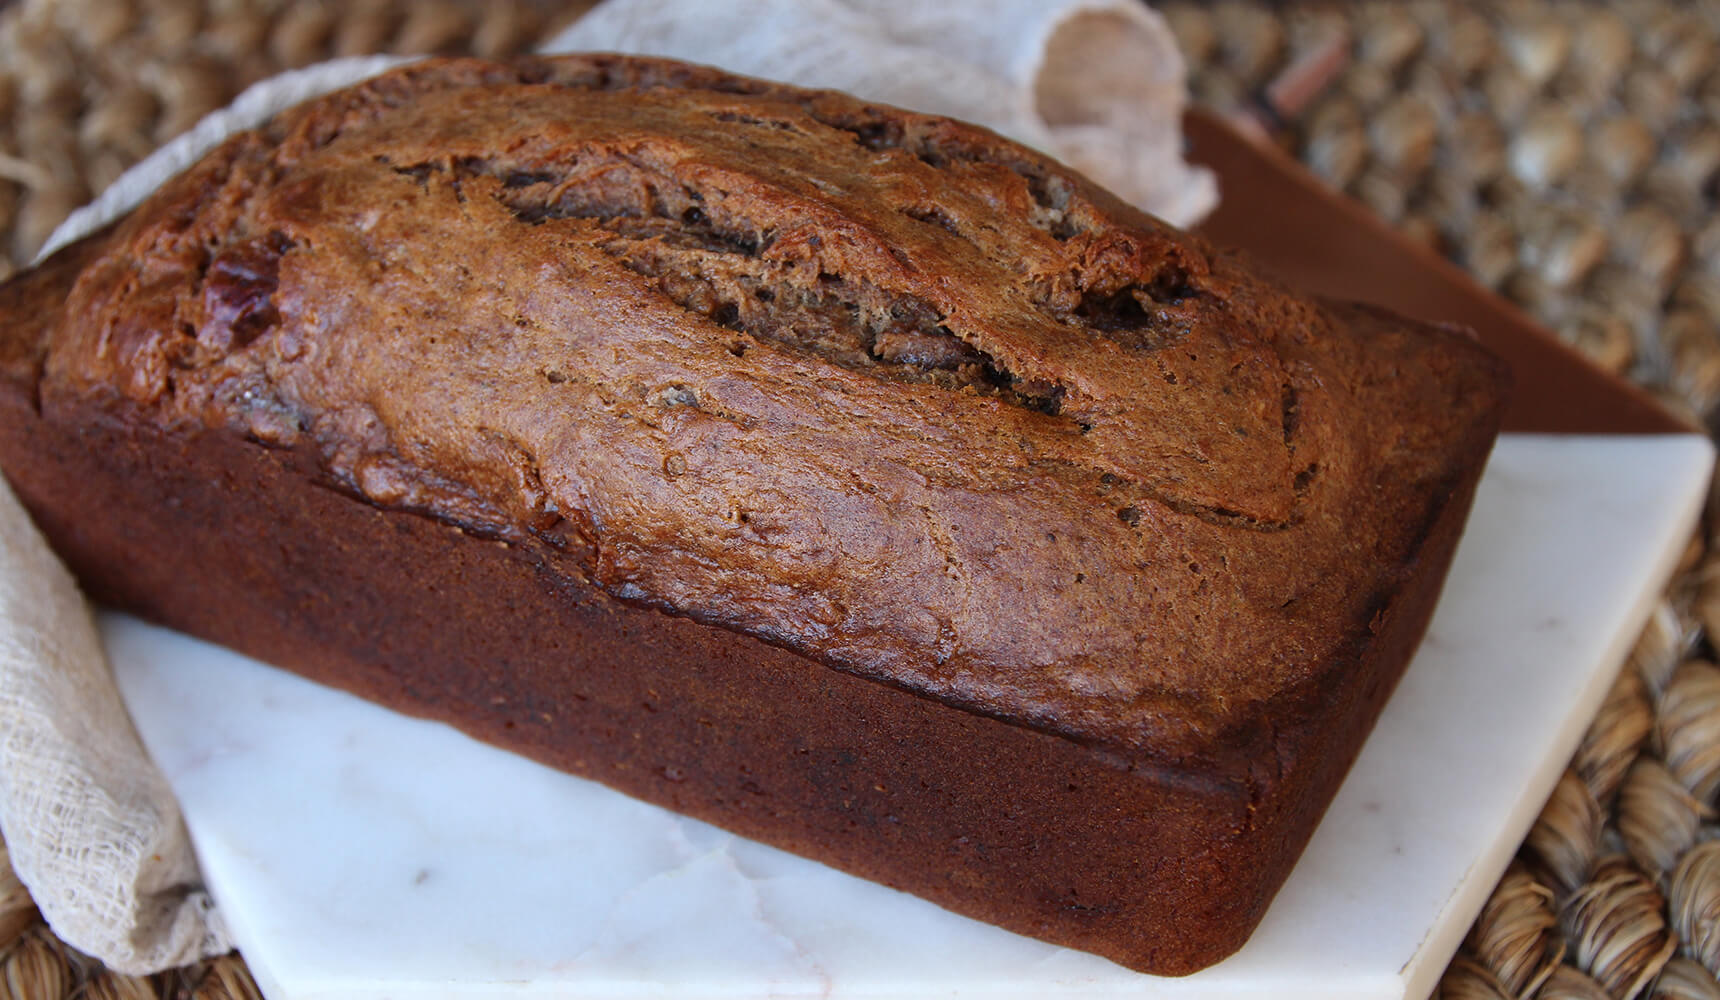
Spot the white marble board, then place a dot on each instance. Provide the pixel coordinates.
(360, 854)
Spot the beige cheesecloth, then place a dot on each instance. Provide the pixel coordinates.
(92, 826)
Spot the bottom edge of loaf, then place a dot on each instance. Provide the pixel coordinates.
(233, 542)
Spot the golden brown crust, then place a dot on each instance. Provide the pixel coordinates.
(1129, 545)
(877, 386)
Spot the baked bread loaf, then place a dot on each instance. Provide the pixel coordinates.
(851, 478)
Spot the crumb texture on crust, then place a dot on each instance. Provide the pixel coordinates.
(877, 386)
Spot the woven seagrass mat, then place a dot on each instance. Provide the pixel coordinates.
(1566, 153)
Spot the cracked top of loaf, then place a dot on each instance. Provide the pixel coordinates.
(877, 386)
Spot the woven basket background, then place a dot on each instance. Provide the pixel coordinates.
(1566, 153)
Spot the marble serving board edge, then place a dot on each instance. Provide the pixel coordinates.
(1422, 971)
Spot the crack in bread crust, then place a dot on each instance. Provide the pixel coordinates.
(750, 277)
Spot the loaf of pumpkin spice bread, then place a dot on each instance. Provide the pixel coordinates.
(851, 478)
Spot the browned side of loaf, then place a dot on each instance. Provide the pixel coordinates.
(225, 539)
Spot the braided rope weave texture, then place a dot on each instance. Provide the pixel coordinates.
(1567, 154)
